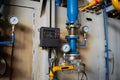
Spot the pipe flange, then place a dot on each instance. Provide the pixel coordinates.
(71, 26)
(72, 37)
(71, 57)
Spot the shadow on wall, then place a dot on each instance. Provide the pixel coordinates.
(6, 50)
(21, 54)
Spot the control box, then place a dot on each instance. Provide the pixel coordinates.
(49, 37)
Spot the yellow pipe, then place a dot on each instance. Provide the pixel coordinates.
(59, 68)
(91, 4)
(116, 4)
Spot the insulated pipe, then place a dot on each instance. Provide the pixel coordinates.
(116, 4)
(91, 4)
(72, 11)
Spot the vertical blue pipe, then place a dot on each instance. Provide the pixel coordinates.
(72, 11)
(72, 45)
(58, 2)
(107, 45)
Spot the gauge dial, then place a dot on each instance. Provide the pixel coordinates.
(85, 29)
(13, 20)
(66, 48)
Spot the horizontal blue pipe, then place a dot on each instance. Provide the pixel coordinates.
(58, 2)
(72, 11)
(8, 42)
(84, 44)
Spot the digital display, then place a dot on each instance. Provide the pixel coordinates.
(49, 34)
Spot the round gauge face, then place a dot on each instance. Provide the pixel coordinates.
(86, 29)
(13, 20)
(66, 48)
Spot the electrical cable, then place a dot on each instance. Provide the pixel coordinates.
(11, 60)
(84, 73)
(49, 56)
(49, 52)
(52, 60)
(11, 64)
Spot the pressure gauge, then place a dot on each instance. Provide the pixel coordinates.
(13, 20)
(85, 29)
(66, 48)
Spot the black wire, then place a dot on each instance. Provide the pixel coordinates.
(11, 60)
(11, 64)
(49, 56)
(84, 73)
(82, 77)
(53, 61)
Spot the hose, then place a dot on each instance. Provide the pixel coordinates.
(116, 4)
(91, 4)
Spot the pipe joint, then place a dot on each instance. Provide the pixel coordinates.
(84, 44)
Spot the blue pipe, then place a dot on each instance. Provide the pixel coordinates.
(72, 44)
(72, 11)
(9, 42)
(58, 2)
(84, 44)
(107, 45)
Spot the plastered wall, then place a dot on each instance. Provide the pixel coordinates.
(93, 54)
(23, 47)
(30, 61)
(114, 48)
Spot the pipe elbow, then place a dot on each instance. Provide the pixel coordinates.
(59, 68)
(84, 44)
(116, 4)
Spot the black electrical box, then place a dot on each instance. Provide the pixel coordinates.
(49, 37)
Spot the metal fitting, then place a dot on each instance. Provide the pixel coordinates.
(71, 57)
